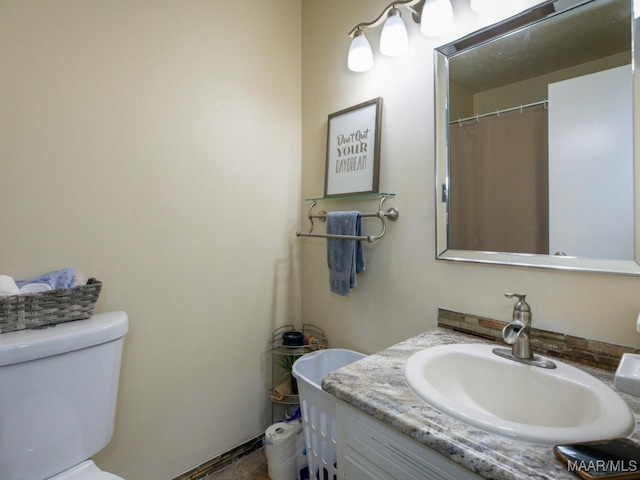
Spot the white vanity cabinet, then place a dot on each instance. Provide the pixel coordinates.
(368, 449)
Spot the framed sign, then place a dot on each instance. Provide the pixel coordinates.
(353, 149)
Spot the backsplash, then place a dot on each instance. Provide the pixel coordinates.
(566, 347)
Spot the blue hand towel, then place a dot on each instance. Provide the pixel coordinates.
(345, 258)
(57, 279)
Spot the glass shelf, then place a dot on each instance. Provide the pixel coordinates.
(352, 196)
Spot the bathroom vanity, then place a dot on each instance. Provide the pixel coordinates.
(386, 431)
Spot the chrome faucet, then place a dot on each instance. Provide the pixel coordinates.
(518, 334)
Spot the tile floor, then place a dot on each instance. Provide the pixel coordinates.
(249, 467)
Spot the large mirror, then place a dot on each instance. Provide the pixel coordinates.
(535, 162)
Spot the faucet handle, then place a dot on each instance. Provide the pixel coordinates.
(521, 310)
(521, 296)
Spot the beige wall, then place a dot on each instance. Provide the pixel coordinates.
(156, 145)
(404, 285)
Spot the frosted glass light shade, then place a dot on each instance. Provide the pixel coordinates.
(394, 39)
(360, 53)
(437, 18)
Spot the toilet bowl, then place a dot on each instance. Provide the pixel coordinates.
(85, 471)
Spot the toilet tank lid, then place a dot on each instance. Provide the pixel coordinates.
(26, 345)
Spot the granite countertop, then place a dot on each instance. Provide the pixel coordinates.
(376, 386)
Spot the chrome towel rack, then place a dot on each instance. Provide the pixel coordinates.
(391, 214)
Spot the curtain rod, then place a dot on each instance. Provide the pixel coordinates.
(460, 121)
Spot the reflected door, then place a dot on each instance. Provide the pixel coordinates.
(590, 177)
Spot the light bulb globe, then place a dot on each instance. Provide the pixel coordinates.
(394, 39)
(360, 57)
(437, 18)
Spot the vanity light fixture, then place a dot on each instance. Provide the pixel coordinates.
(434, 16)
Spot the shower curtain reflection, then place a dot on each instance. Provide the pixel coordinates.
(498, 183)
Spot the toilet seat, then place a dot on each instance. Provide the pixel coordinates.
(86, 470)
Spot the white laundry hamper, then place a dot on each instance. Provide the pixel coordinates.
(319, 408)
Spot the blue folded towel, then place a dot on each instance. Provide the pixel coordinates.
(345, 258)
(57, 279)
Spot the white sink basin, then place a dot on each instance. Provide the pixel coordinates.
(522, 402)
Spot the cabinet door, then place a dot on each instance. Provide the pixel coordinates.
(360, 469)
(370, 447)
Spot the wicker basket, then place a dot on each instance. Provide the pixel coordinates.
(34, 310)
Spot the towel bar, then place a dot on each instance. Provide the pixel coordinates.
(392, 214)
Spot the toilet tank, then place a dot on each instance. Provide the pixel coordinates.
(58, 390)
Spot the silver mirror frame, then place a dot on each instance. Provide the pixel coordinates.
(441, 56)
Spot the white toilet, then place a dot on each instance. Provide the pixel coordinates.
(58, 390)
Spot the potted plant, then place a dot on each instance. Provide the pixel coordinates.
(286, 363)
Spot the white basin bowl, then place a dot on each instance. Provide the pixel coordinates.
(522, 402)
